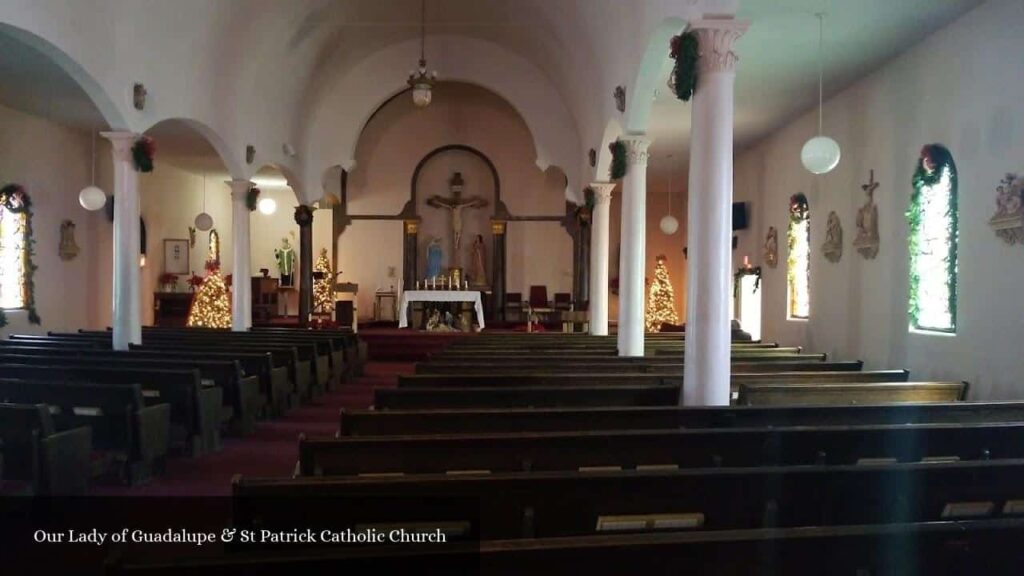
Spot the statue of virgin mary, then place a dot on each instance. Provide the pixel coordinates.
(434, 256)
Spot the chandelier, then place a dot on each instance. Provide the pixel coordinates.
(420, 80)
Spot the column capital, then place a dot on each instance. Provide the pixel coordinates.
(303, 216)
(602, 191)
(121, 143)
(498, 226)
(239, 188)
(716, 38)
(412, 226)
(636, 148)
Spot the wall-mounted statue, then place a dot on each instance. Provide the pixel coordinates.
(435, 254)
(771, 248)
(1008, 221)
(68, 246)
(833, 246)
(867, 239)
(285, 257)
(455, 204)
(478, 262)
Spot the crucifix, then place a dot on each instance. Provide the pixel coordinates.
(455, 203)
(867, 239)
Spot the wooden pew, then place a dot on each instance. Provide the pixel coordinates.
(656, 449)
(633, 395)
(560, 356)
(557, 504)
(780, 364)
(774, 394)
(39, 459)
(486, 421)
(987, 547)
(133, 437)
(195, 409)
(241, 400)
(355, 350)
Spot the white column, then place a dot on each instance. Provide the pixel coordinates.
(599, 257)
(709, 233)
(241, 285)
(634, 245)
(127, 317)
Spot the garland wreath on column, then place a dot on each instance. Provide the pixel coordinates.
(935, 160)
(617, 170)
(142, 153)
(15, 200)
(685, 50)
(252, 198)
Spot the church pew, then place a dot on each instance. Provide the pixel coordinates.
(39, 459)
(195, 409)
(131, 434)
(516, 360)
(504, 354)
(946, 548)
(274, 379)
(656, 449)
(774, 394)
(631, 395)
(557, 504)
(487, 421)
(631, 367)
(241, 399)
(355, 350)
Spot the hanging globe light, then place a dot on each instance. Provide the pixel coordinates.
(820, 154)
(420, 80)
(92, 198)
(204, 222)
(267, 206)
(669, 224)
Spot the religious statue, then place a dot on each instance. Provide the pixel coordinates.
(455, 204)
(434, 256)
(285, 257)
(1008, 221)
(771, 248)
(478, 267)
(68, 247)
(833, 246)
(867, 239)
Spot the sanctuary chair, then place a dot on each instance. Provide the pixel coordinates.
(540, 306)
(514, 301)
(563, 301)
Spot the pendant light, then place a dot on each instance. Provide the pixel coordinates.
(92, 198)
(420, 80)
(669, 224)
(821, 153)
(204, 221)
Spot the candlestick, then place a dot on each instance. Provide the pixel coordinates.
(746, 261)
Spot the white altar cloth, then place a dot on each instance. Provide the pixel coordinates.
(439, 296)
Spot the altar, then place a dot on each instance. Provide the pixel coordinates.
(410, 296)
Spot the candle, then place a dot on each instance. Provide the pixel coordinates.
(746, 261)
(466, 284)
(417, 284)
(433, 282)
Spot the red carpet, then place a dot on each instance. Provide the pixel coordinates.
(272, 450)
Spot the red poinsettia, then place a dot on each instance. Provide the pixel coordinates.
(212, 266)
(195, 281)
(228, 280)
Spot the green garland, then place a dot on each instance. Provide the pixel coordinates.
(935, 159)
(142, 154)
(740, 273)
(15, 200)
(799, 211)
(617, 171)
(685, 51)
(252, 198)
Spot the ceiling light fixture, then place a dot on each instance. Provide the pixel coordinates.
(821, 153)
(669, 224)
(422, 83)
(91, 197)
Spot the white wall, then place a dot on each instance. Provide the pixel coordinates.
(961, 87)
(52, 162)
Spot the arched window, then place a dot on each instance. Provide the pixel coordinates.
(933, 242)
(16, 267)
(798, 273)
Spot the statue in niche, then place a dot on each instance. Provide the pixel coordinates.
(771, 248)
(434, 256)
(68, 247)
(867, 239)
(214, 251)
(456, 204)
(285, 257)
(478, 262)
(833, 246)
(1008, 221)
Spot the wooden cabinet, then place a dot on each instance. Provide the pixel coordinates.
(170, 309)
(264, 299)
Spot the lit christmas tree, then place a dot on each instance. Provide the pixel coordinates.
(211, 306)
(661, 305)
(323, 289)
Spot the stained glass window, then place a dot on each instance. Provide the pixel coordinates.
(798, 273)
(12, 258)
(933, 242)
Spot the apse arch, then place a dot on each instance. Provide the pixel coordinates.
(499, 206)
(106, 106)
(653, 69)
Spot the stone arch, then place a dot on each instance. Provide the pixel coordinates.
(654, 66)
(234, 168)
(499, 206)
(106, 106)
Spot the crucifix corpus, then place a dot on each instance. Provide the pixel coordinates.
(456, 203)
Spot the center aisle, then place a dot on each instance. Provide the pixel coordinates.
(273, 450)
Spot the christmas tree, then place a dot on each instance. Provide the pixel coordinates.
(661, 306)
(323, 288)
(211, 306)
